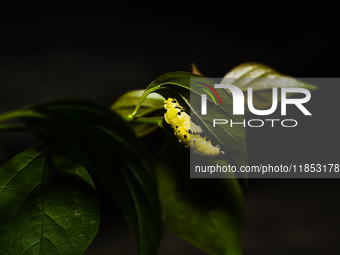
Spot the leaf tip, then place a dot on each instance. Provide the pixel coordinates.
(194, 69)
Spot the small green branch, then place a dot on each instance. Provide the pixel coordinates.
(132, 116)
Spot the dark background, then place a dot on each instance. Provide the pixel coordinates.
(100, 52)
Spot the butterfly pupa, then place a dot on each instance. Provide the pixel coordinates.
(187, 132)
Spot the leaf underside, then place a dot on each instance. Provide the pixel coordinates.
(49, 205)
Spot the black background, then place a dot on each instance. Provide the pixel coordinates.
(100, 52)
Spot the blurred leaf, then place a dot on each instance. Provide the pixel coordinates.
(127, 103)
(152, 106)
(141, 130)
(95, 137)
(49, 205)
(206, 212)
(262, 79)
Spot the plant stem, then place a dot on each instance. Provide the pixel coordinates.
(148, 120)
(131, 117)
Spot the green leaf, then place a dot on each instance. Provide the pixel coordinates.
(233, 139)
(262, 79)
(206, 212)
(172, 80)
(152, 106)
(95, 137)
(49, 205)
